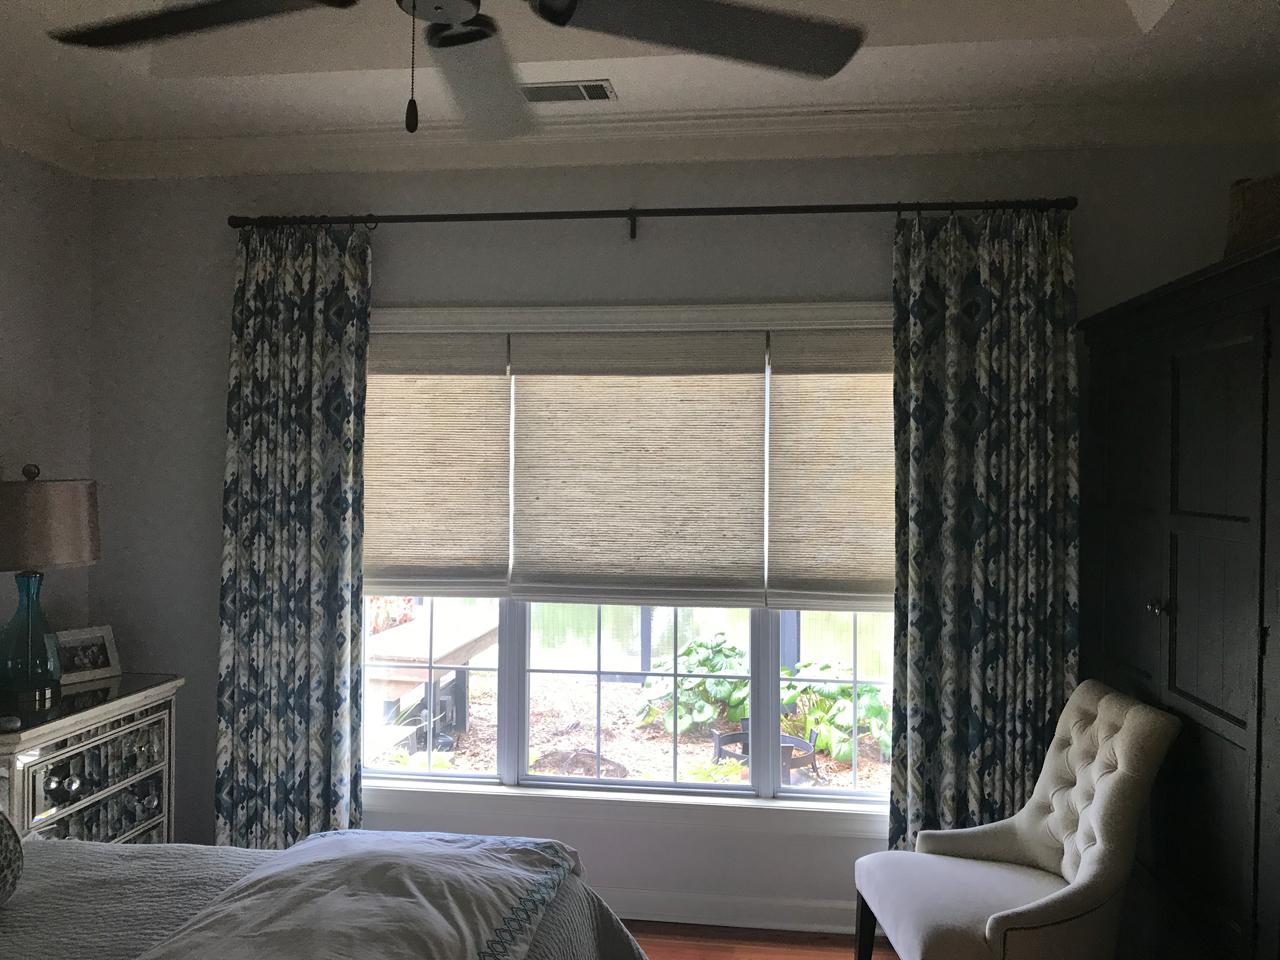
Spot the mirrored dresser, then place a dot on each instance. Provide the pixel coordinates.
(96, 766)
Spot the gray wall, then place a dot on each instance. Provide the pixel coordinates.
(163, 262)
(163, 267)
(44, 346)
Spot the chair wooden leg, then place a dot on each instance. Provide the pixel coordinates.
(866, 929)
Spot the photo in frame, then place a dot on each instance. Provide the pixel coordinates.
(88, 654)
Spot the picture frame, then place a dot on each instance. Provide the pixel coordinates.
(93, 693)
(87, 654)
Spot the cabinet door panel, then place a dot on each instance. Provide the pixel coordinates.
(1217, 429)
(1178, 489)
(1135, 575)
(1202, 854)
(1203, 822)
(1131, 414)
(1213, 636)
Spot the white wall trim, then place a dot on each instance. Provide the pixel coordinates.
(639, 849)
(770, 134)
(735, 135)
(767, 913)
(867, 820)
(639, 317)
(45, 138)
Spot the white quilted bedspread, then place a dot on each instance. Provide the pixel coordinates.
(357, 894)
(105, 902)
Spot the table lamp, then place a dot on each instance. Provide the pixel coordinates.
(44, 525)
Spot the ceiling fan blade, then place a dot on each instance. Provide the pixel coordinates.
(485, 87)
(719, 28)
(178, 21)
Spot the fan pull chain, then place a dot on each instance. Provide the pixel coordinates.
(411, 111)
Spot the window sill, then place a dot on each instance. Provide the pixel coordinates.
(860, 818)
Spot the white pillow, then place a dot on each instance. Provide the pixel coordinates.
(10, 858)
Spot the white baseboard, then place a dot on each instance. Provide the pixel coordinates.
(780, 913)
(673, 859)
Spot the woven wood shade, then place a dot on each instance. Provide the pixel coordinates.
(634, 486)
(436, 461)
(831, 467)
(638, 470)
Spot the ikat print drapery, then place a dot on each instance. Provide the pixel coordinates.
(987, 512)
(288, 755)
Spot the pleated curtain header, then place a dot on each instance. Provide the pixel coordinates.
(637, 467)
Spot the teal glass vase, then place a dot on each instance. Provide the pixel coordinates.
(28, 648)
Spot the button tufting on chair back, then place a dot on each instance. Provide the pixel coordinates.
(1047, 883)
(1095, 779)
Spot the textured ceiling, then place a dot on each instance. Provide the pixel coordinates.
(328, 70)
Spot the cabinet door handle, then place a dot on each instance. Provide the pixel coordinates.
(1157, 608)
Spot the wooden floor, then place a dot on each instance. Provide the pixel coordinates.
(669, 941)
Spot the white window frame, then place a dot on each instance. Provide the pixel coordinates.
(513, 623)
(513, 710)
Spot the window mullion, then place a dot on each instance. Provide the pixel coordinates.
(599, 686)
(512, 689)
(856, 773)
(431, 683)
(764, 702)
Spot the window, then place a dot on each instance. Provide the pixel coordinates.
(431, 685)
(652, 560)
(835, 685)
(640, 694)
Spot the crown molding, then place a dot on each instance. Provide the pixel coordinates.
(724, 136)
(631, 317)
(758, 134)
(45, 139)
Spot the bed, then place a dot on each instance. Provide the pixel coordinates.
(119, 901)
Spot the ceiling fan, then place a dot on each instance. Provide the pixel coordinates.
(481, 75)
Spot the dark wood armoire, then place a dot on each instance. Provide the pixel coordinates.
(1180, 586)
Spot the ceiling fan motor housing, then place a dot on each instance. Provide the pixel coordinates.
(450, 12)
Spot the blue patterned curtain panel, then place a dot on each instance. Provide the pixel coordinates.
(986, 411)
(289, 687)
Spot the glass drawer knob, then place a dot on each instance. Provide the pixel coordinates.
(52, 784)
(73, 785)
(151, 803)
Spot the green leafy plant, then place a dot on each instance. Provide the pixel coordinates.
(440, 761)
(829, 708)
(878, 717)
(702, 700)
(722, 771)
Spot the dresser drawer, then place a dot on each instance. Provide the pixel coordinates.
(85, 770)
(157, 832)
(96, 765)
(115, 815)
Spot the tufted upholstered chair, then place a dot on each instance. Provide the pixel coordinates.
(1047, 883)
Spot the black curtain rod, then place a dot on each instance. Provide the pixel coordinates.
(634, 214)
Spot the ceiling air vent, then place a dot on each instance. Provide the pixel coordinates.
(569, 92)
